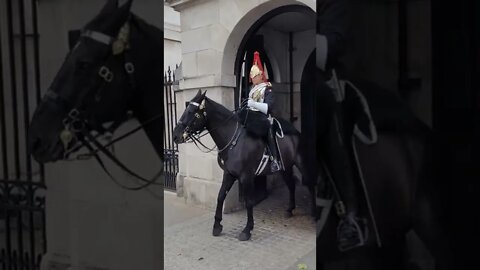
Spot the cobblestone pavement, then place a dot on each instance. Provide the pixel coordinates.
(277, 243)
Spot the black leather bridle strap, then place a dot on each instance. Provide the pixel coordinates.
(102, 148)
(135, 130)
(100, 161)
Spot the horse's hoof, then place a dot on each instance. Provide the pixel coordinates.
(217, 230)
(288, 214)
(244, 236)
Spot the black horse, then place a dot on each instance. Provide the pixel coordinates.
(114, 69)
(398, 175)
(240, 154)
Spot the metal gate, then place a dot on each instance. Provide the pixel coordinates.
(170, 148)
(22, 182)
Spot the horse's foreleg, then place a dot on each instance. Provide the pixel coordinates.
(249, 203)
(227, 184)
(288, 178)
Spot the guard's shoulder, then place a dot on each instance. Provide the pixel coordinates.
(269, 85)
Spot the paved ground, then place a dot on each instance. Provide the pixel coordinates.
(277, 243)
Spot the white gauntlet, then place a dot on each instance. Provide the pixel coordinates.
(263, 107)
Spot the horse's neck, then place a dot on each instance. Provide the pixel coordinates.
(148, 102)
(221, 123)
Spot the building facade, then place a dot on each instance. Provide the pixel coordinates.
(218, 41)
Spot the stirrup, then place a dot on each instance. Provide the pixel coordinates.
(275, 166)
(356, 238)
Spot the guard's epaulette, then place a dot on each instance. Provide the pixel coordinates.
(269, 85)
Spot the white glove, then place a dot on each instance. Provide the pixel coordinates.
(263, 107)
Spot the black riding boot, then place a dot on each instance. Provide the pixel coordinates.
(275, 166)
(349, 231)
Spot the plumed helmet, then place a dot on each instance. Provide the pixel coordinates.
(257, 67)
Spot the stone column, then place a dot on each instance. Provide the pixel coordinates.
(203, 38)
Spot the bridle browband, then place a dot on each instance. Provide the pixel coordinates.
(76, 124)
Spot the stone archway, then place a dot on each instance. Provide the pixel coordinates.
(248, 25)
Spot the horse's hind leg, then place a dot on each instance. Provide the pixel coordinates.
(227, 184)
(428, 227)
(288, 178)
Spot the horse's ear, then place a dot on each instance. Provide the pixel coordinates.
(204, 94)
(113, 5)
(109, 7)
(112, 17)
(199, 93)
(124, 3)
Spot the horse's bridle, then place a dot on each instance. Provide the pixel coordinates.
(76, 124)
(201, 113)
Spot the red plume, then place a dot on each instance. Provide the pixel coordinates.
(258, 62)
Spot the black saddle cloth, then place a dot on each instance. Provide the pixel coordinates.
(257, 124)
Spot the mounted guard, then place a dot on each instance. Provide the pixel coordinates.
(257, 116)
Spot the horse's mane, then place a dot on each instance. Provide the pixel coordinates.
(147, 37)
(219, 109)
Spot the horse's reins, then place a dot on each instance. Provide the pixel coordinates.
(77, 122)
(196, 139)
(111, 142)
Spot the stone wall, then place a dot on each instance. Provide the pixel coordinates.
(172, 39)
